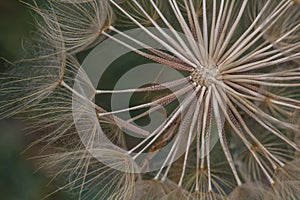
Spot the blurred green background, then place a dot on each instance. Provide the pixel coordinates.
(15, 24)
(19, 177)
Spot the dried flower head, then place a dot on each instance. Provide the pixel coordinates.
(229, 130)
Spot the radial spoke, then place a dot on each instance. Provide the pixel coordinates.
(162, 86)
(205, 127)
(195, 118)
(164, 44)
(170, 63)
(222, 136)
(101, 110)
(235, 125)
(227, 14)
(242, 37)
(161, 101)
(267, 125)
(166, 124)
(183, 48)
(186, 30)
(258, 33)
(232, 30)
(175, 146)
(257, 142)
(261, 113)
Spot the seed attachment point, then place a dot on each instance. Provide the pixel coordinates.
(205, 76)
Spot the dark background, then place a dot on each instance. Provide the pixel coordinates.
(20, 178)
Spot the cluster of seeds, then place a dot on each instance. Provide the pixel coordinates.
(231, 128)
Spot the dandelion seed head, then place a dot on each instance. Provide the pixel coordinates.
(229, 130)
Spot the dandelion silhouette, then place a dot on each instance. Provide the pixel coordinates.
(230, 129)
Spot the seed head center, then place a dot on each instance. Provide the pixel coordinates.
(205, 76)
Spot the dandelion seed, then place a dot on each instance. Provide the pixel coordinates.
(78, 23)
(122, 20)
(287, 184)
(89, 177)
(158, 190)
(250, 191)
(284, 33)
(27, 82)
